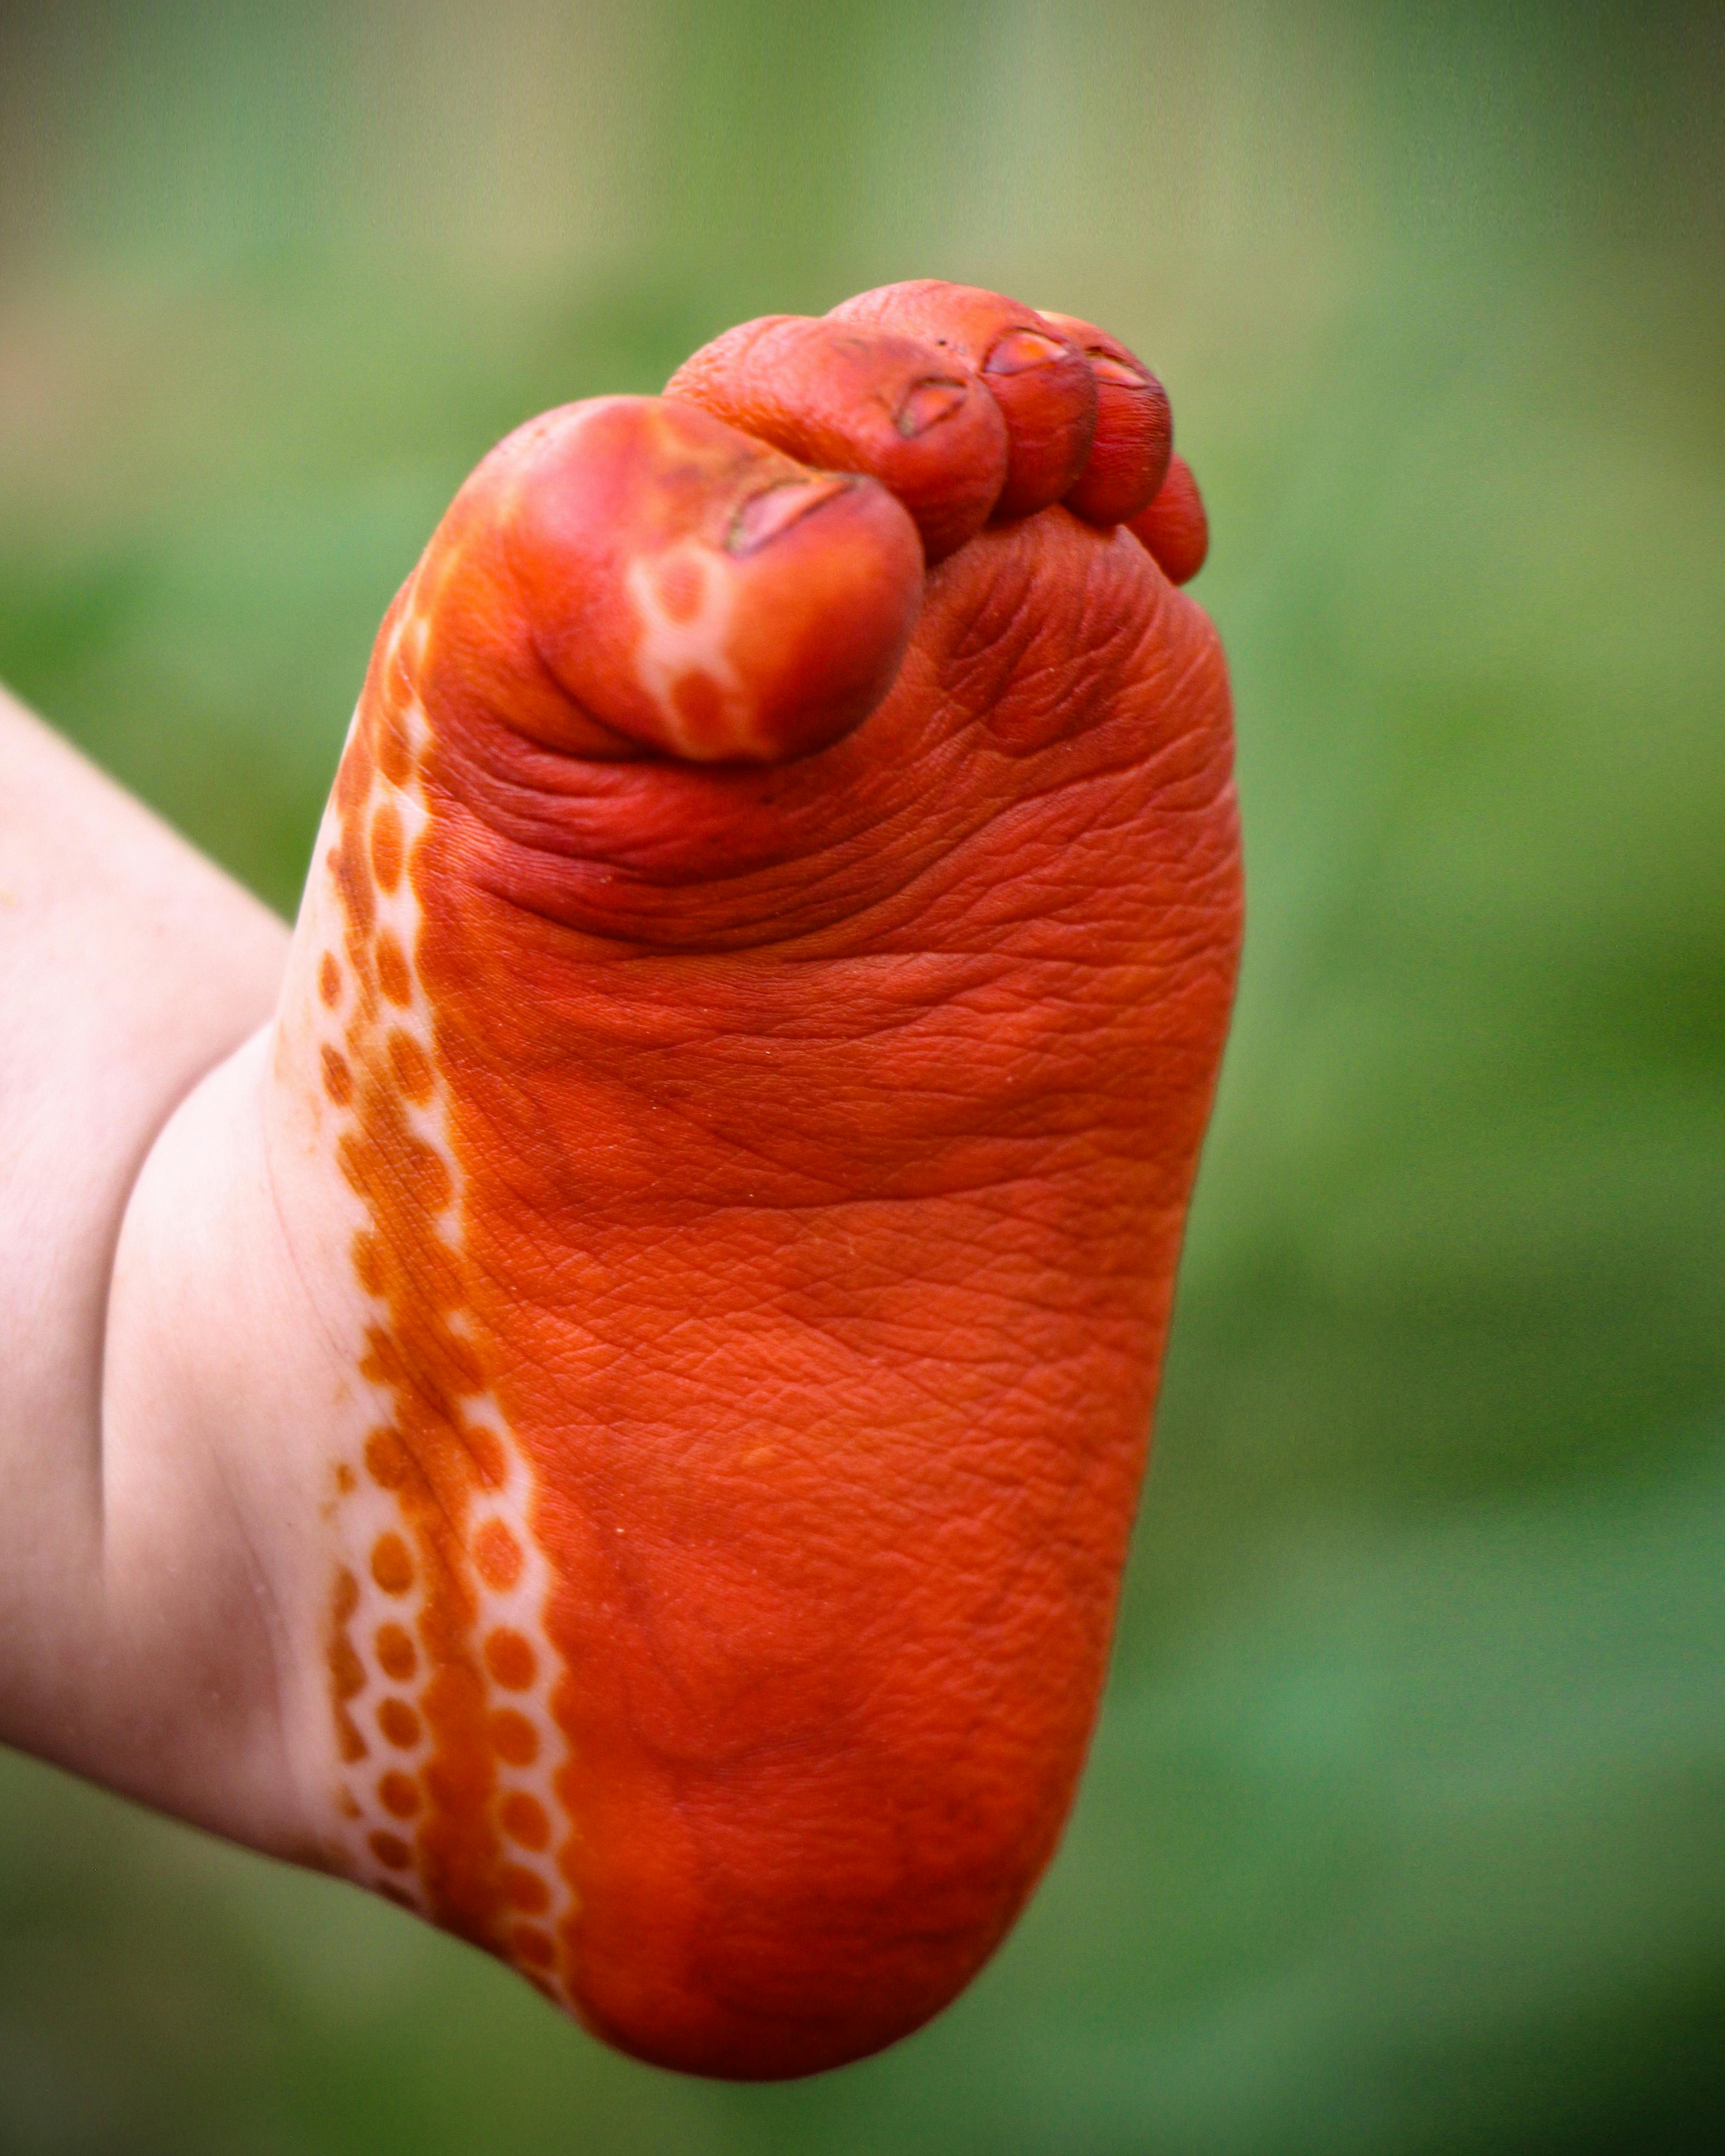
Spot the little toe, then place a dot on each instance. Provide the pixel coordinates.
(1043, 384)
(1134, 431)
(631, 574)
(1174, 529)
(846, 398)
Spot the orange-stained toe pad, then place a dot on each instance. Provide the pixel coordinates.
(1175, 527)
(766, 1111)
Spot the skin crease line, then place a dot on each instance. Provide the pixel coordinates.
(605, 1386)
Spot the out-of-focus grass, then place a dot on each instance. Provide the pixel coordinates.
(1401, 1834)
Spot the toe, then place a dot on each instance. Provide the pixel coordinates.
(845, 398)
(631, 574)
(1043, 385)
(1134, 436)
(1174, 528)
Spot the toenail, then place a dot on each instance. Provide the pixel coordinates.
(764, 515)
(927, 402)
(1107, 368)
(1019, 350)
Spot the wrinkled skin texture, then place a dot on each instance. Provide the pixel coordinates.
(737, 1094)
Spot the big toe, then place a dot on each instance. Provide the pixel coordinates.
(633, 575)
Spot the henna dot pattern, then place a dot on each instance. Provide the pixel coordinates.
(440, 1674)
(524, 1821)
(400, 1795)
(510, 1660)
(398, 1657)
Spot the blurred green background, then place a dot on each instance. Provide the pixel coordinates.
(1405, 1827)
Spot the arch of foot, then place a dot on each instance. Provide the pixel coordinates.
(441, 1674)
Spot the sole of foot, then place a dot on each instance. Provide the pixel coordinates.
(741, 1077)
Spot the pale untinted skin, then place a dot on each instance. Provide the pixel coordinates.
(602, 1394)
(136, 1630)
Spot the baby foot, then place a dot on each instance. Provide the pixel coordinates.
(734, 1104)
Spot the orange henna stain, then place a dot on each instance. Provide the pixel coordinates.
(514, 1738)
(391, 1565)
(525, 1890)
(533, 1946)
(485, 1450)
(367, 1262)
(510, 1660)
(808, 1757)
(425, 1171)
(497, 1556)
(395, 758)
(410, 1067)
(387, 1460)
(398, 1724)
(400, 1795)
(398, 1657)
(822, 1701)
(393, 978)
(425, 1457)
(700, 705)
(524, 1821)
(346, 1670)
(387, 846)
